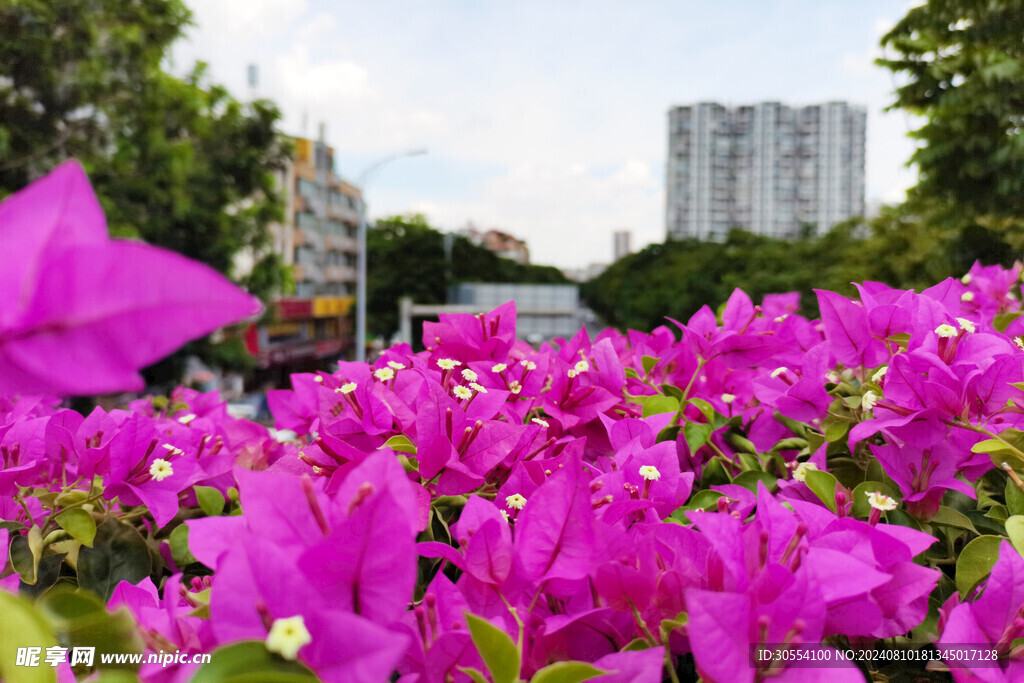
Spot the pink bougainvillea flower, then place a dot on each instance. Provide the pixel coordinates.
(80, 313)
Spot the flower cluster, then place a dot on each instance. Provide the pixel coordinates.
(624, 508)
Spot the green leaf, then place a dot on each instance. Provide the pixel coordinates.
(668, 433)
(658, 404)
(498, 651)
(22, 625)
(700, 500)
(79, 523)
(648, 363)
(696, 435)
(823, 484)
(704, 407)
(630, 372)
(21, 559)
(861, 506)
(1015, 530)
(714, 473)
(475, 674)
(741, 443)
(751, 478)
(210, 500)
(1003, 320)
(1014, 498)
(400, 443)
(672, 390)
(749, 462)
(251, 662)
(947, 516)
(637, 645)
(975, 562)
(118, 553)
(835, 430)
(567, 672)
(178, 541)
(793, 443)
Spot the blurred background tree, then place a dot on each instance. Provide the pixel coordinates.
(406, 257)
(177, 162)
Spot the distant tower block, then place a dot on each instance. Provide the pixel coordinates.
(623, 243)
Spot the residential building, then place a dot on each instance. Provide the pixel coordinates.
(501, 243)
(621, 244)
(767, 168)
(318, 237)
(543, 311)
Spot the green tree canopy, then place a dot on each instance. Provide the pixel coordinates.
(174, 161)
(406, 257)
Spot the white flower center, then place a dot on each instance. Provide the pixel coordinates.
(396, 366)
(542, 423)
(515, 501)
(462, 392)
(868, 400)
(469, 375)
(728, 398)
(500, 367)
(346, 388)
(965, 325)
(650, 473)
(946, 330)
(800, 473)
(384, 374)
(880, 501)
(287, 636)
(448, 364)
(160, 469)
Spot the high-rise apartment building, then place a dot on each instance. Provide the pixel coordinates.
(767, 168)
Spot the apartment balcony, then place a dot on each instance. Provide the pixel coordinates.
(344, 213)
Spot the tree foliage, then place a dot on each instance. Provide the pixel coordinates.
(406, 257)
(963, 66)
(175, 161)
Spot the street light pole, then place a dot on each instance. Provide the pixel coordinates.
(364, 178)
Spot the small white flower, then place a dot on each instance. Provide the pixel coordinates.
(469, 375)
(448, 364)
(965, 325)
(318, 379)
(396, 366)
(946, 331)
(528, 364)
(505, 515)
(172, 450)
(478, 388)
(778, 371)
(346, 388)
(832, 377)
(869, 400)
(288, 636)
(160, 469)
(650, 473)
(967, 296)
(572, 373)
(462, 392)
(542, 423)
(879, 374)
(185, 419)
(384, 374)
(782, 318)
(847, 374)
(515, 501)
(581, 366)
(966, 279)
(728, 398)
(800, 473)
(499, 368)
(515, 387)
(1019, 342)
(880, 501)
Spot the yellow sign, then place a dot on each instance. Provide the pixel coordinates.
(332, 306)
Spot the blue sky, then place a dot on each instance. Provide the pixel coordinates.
(544, 119)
